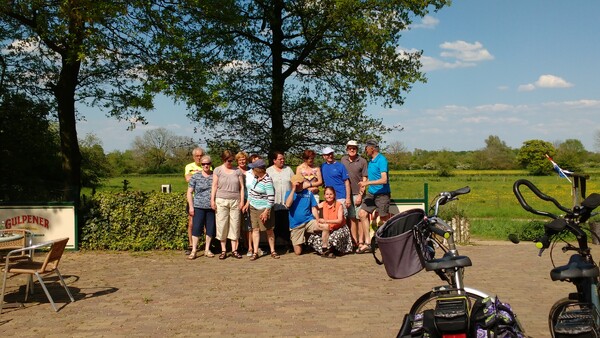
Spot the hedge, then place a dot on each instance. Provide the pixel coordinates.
(134, 220)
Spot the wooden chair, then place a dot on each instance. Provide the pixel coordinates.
(37, 268)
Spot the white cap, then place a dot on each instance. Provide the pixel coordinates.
(327, 150)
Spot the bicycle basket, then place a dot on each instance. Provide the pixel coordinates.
(402, 250)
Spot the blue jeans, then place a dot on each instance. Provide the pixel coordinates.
(204, 218)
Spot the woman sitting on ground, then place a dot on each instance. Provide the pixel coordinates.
(339, 241)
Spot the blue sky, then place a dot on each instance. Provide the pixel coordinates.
(517, 69)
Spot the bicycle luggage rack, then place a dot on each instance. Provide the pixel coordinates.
(575, 321)
(452, 314)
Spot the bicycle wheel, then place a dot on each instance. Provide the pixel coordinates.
(428, 300)
(570, 310)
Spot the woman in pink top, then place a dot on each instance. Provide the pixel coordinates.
(227, 199)
(339, 241)
(310, 172)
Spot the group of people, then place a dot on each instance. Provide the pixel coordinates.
(252, 197)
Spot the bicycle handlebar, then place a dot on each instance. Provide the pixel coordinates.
(446, 196)
(538, 193)
(570, 221)
(445, 234)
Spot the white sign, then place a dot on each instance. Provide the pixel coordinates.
(45, 221)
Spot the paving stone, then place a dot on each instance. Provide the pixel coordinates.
(161, 293)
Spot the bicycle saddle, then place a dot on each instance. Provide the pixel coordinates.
(447, 262)
(576, 268)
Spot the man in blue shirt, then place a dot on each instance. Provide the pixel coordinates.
(335, 175)
(378, 191)
(303, 215)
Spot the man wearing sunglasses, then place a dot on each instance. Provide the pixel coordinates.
(190, 170)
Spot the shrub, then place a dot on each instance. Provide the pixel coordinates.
(134, 220)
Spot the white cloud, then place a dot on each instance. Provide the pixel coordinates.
(546, 81)
(428, 22)
(464, 51)
(526, 87)
(430, 64)
(551, 81)
(457, 54)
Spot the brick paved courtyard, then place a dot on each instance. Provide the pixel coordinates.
(163, 294)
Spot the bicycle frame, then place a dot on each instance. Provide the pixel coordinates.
(581, 271)
(450, 269)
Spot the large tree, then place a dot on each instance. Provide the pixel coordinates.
(160, 150)
(294, 74)
(571, 155)
(88, 51)
(532, 156)
(495, 155)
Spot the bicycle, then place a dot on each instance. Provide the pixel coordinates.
(447, 307)
(578, 314)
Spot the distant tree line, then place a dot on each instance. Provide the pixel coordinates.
(30, 164)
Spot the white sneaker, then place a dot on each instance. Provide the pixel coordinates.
(260, 252)
(249, 254)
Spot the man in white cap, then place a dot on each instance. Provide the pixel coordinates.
(335, 175)
(356, 166)
(378, 191)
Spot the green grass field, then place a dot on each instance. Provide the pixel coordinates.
(491, 206)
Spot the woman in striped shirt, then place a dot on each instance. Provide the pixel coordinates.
(261, 197)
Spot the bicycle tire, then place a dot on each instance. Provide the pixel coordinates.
(428, 300)
(555, 311)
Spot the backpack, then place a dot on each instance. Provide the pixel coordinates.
(490, 318)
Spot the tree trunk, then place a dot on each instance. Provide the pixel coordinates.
(64, 91)
(278, 134)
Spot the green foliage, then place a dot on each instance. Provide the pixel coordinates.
(94, 166)
(30, 168)
(532, 230)
(495, 155)
(288, 75)
(160, 151)
(571, 155)
(122, 163)
(134, 220)
(532, 156)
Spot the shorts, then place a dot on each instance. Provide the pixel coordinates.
(257, 223)
(354, 209)
(297, 233)
(381, 202)
(343, 203)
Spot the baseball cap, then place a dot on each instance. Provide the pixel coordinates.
(352, 143)
(372, 143)
(260, 163)
(327, 150)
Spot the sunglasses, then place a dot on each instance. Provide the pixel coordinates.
(209, 163)
(229, 161)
